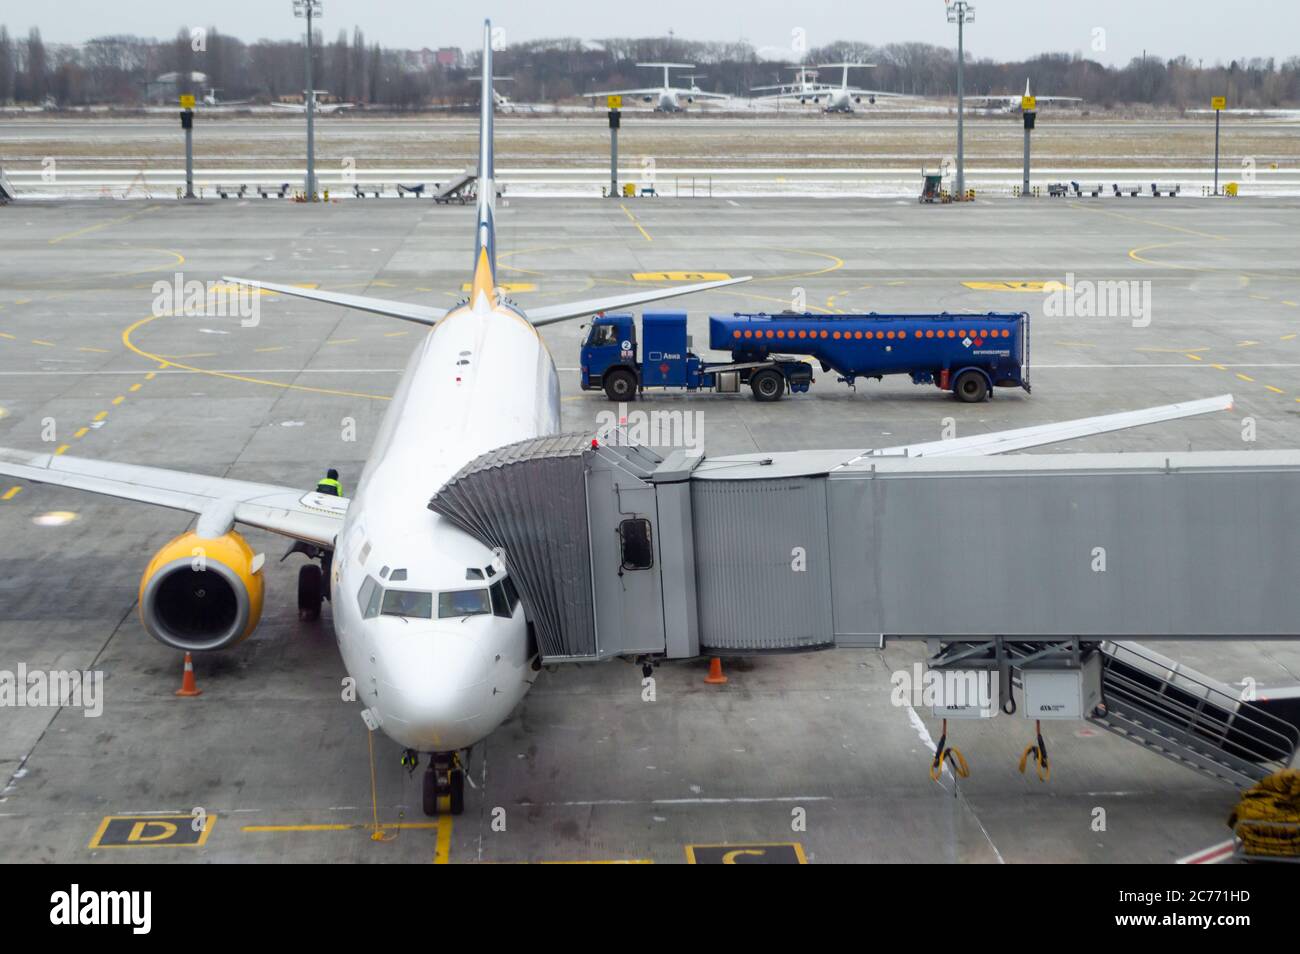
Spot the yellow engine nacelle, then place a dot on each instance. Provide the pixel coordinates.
(202, 593)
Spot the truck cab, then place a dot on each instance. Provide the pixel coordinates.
(609, 357)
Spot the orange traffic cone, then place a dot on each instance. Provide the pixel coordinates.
(715, 676)
(188, 685)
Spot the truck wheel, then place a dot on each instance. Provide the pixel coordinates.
(768, 385)
(970, 387)
(620, 385)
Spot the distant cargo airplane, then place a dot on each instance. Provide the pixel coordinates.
(1010, 102)
(837, 99)
(667, 98)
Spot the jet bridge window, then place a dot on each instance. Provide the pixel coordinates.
(410, 603)
(464, 603)
(637, 543)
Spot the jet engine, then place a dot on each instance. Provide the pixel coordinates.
(201, 593)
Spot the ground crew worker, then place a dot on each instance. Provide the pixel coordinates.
(329, 484)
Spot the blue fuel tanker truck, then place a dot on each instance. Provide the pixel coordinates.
(969, 355)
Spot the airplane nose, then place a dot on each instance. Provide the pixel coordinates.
(432, 688)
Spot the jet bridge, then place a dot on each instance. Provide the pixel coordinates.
(1026, 560)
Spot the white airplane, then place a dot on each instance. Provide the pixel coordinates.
(209, 98)
(838, 99)
(667, 98)
(1010, 102)
(322, 109)
(428, 621)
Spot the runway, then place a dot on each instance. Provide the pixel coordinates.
(803, 754)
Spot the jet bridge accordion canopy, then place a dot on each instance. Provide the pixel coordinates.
(624, 551)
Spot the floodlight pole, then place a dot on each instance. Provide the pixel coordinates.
(309, 9)
(960, 12)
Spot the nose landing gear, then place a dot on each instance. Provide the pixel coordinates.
(444, 785)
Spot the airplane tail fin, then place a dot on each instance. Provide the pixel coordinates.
(485, 252)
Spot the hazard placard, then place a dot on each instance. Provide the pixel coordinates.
(1219, 102)
(614, 102)
(187, 100)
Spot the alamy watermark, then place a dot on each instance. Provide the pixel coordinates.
(196, 299)
(1084, 298)
(652, 428)
(40, 688)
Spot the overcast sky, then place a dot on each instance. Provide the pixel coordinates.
(1003, 29)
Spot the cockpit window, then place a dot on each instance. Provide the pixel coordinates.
(473, 573)
(368, 598)
(397, 576)
(463, 603)
(410, 603)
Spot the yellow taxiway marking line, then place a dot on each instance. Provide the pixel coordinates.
(102, 225)
(442, 844)
(63, 449)
(635, 222)
(81, 432)
(1245, 377)
(119, 399)
(167, 363)
(360, 826)
(43, 343)
(7, 335)
(101, 415)
(151, 375)
(1291, 303)
(95, 350)
(1195, 357)
(1162, 225)
(1274, 390)
(13, 492)
(1247, 344)
(135, 387)
(395, 334)
(275, 348)
(1219, 366)
(1288, 337)
(343, 341)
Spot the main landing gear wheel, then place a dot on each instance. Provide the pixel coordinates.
(970, 387)
(444, 785)
(620, 385)
(309, 592)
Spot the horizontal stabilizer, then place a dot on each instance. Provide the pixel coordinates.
(547, 314)
(420, 314)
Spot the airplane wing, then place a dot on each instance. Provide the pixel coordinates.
(420, 314)
(648, 91)
(698, 94)
(548, 314)
(288, 511)
(1000, 442)
(294, 106)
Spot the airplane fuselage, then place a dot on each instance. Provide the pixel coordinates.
(448, 670)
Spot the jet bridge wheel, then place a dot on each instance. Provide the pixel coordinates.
(620, 385)
(309, 592)
(970, 387)
(768, 385)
